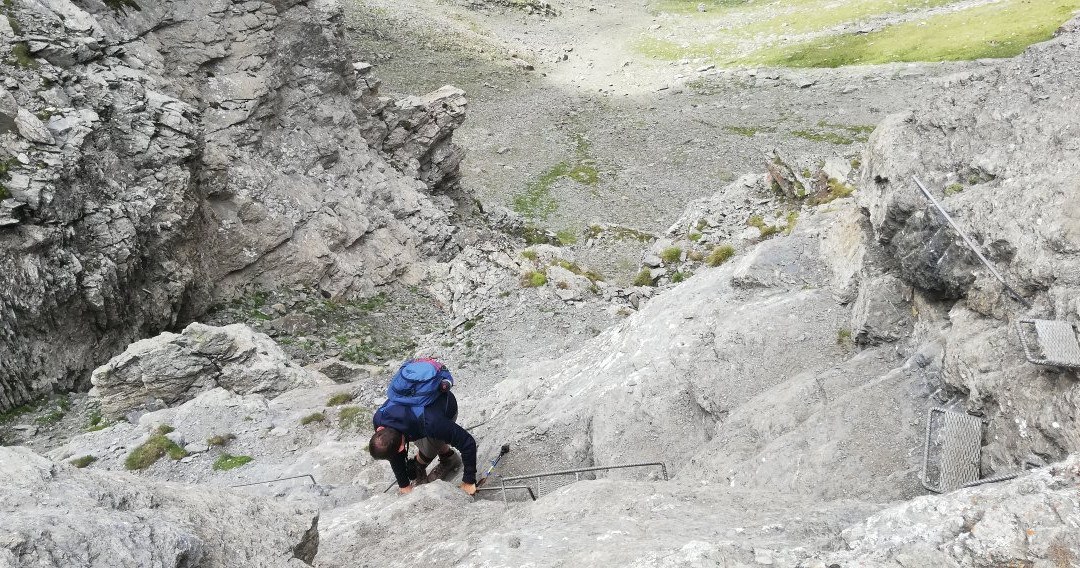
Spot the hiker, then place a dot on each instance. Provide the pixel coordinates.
(420, 408)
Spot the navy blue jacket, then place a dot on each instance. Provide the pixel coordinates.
(437, 422)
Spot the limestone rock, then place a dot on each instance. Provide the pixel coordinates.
(57, 515)
(883, 311)
(31, 128)
(9, 111)
(174, 368)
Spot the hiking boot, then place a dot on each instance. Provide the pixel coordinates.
(447, 465)
(421, 473)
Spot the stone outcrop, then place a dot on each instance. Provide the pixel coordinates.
(162, 155)
(56, 515)
(173, 368)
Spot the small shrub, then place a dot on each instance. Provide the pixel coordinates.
(695, 255)
(154, 449)
(529, 254)
(756, 221)
(225, 462)
(643, 278)
(339, 399)
(96, 421)
(533, 279)
(349, 417)
(165, 429)
(769, 230)
(314, 417)
(83, 461)
(680, 276)
(671, 255)
(856, 163)
(694, 237)
(720, 255)
(953, 189)
(221, 440)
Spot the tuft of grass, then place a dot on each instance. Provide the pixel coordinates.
(533, 279)
(856, 163)
(339, 399)
(643, 278)
(953, 189)
(83, 461)
(680, 276)
(220, 440)
(96, 421)
(720, 254)
(50, 418)
(530, 254)
(695, 255)
(349, 417)
(792, 219)
(157, 447)
(749, 131)
(165, 429)
(671, 255)
(567, 237)
(843, 337)
(620, 233)
(837, 190)
(314, 417)
(20, 56)
(225, 462)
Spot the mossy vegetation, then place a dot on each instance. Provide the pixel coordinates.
(352, 417)
(529, 254)
(719, 255)
(533, 279)
(953, 189)
(312, 418)
(157, 447)
(20, 56)
(808, 33)
(620, 233)
(843, 337)
(644, 278)
(749, 131)
(671, 255)
(83, 461)
(220, 440)
(226, 461)
(567, 237)
(339, 399)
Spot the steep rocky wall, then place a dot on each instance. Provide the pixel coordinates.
(998, 147)
(160, 155)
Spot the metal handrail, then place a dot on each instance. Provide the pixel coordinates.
(663, 469)
(504, 487)
(307, 475)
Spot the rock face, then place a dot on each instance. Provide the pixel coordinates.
(1014, 192)
(173, 153)
(173, 368)
(56, 515)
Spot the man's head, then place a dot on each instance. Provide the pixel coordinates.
(385, 443)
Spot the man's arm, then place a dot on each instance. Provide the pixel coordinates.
(397, 463)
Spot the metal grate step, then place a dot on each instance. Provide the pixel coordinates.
(1050, 342)
(953, 450)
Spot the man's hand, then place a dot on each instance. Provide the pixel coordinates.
(405, 490)
(469, 488)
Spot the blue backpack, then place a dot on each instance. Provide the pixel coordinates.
(417, 384)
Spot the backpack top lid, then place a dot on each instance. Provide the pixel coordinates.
(416, 383)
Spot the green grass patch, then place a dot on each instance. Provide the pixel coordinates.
(81, 462)
(643, 278)
(671, 255)
(720, 255)
(837, 190)
(220, 440)
(843, 337)
(792, 219)
(567, 237)
(225, 462)
(680, 276)
(953, 189)
(339, 399)
(620, 233)
(529, 254)
(311, 418)
(157, 447)
(20, 55)
(95, 421)
(749, 131)
(350, 417)
(533, 279)
(1002, 29)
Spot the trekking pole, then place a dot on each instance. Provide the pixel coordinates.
(502, 452)
(971, 245)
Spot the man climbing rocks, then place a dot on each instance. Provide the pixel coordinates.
(420, 408)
